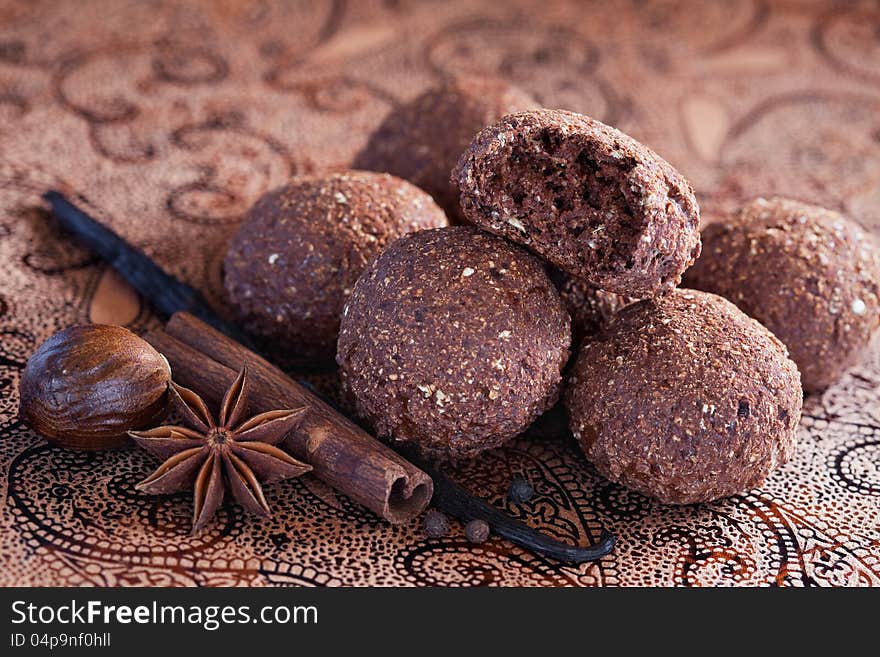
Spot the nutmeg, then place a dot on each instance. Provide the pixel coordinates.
(87, 385)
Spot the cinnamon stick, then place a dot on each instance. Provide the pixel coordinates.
(341, 453)
(399, 495)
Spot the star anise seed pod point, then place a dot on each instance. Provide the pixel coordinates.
(210, 456)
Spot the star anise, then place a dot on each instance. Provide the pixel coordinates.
(210, 456)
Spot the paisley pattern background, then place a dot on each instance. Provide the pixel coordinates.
(169, 119)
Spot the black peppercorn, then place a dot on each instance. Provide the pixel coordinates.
(477, 531)
(520, 490)
(436, 524)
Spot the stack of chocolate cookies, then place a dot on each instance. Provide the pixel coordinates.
(456, 338)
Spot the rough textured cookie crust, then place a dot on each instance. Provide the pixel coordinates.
(684, 398)
(590, 308)
(300, 249)
(453, 339)
(422, 140)
(586, 197)
(808, 274)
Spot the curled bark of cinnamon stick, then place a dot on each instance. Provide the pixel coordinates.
(341, 453)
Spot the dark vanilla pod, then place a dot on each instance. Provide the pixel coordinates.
(457, 502)
(165, 293)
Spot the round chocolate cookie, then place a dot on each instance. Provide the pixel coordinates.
(684, 398)
(590, 308)
(301, 248)
(584, 196)
(808, 274)
(422, 140)
(454, 340)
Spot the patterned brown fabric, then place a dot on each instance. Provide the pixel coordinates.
(171, 118)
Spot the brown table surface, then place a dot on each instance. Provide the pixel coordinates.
(172, 118)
